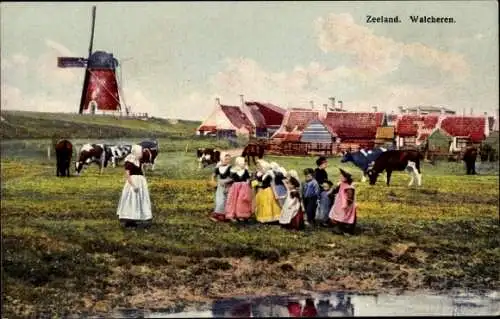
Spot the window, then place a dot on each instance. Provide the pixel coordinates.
(462, 143)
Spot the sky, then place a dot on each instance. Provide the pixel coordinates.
(177, 57)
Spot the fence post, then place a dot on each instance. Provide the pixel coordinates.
(48, 152)
(187, 146)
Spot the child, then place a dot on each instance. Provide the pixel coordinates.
(310, 195)
(325, 203)
(221, 179)
(292, 215)
(343, 213)
(239, 197)
(320, 173)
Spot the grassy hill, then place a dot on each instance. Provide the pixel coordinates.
(40, 125)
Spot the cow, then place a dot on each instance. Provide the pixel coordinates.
(150, 151)
(362, 159)
(91, 153)
(469, 157)
(207, 156)
(252, 150)
(64, 152)
(396, 160)
(116, 153)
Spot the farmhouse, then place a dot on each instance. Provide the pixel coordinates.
(411, 130)
(250, 118)
(384, 136)
(465, 130)
(354, 129)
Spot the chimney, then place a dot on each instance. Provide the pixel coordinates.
(242, 100)
(418, 110)
(442, 110)
(485, 113)
(325, 106)
(217, 101)
(374, 109)
(471, 111)
(401, 109)
(341, 105)
(312, 105)
(332, 101)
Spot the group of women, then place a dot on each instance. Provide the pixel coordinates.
(272, 194)
(277, 196)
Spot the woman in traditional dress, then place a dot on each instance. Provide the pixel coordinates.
(267, 209)
(292, 214)
(278, 185)
(134, 207)
(343, 212)
(239, 197)
(221, 180)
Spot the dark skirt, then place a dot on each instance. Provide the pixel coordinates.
(296, 223)
(135, 223)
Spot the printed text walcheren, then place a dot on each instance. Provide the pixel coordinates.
(431, 19)
(382, 19)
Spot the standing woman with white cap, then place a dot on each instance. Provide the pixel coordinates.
(134, 207)
(221, 180)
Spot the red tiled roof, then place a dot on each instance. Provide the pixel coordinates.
(258, 117)
(236, 116)
(209, 128)
(300, 119)
(407, 126)
(354, 125)
(471, 126)
(272, 114)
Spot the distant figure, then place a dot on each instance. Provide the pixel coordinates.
(64, 153)
(469, 158)
(343, 213)
(134, 207)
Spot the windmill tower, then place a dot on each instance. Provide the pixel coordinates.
(100, 85)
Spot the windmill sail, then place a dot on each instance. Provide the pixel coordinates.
(69, 62)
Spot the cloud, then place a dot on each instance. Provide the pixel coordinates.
(377, 55)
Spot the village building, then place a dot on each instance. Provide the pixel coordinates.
(253, 119)
(414, 130)
(384, 136)
(425, 110)
(354, 130)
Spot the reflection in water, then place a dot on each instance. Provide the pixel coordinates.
(338, 305)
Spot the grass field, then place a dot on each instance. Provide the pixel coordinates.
(37, 125)
(64, 252)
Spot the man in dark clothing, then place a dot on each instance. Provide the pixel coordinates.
(320, 174)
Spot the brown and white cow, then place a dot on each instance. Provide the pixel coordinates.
(207, 156)
(396, 160)
(150, 151)
(253, 150)
(91, 153)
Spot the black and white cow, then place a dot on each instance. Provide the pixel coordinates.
(207, 156)
(91, 153)
(396, 160)
(116, 153)
(150, 152)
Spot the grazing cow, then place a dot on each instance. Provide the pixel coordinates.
(396, 160)
(91, 153)
(116, 153)
(64, 152)
(150, 151)
(469, 157)
(362, 159)
(252, 150)
(207, 156)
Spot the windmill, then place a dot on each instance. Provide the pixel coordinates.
(100, 86)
